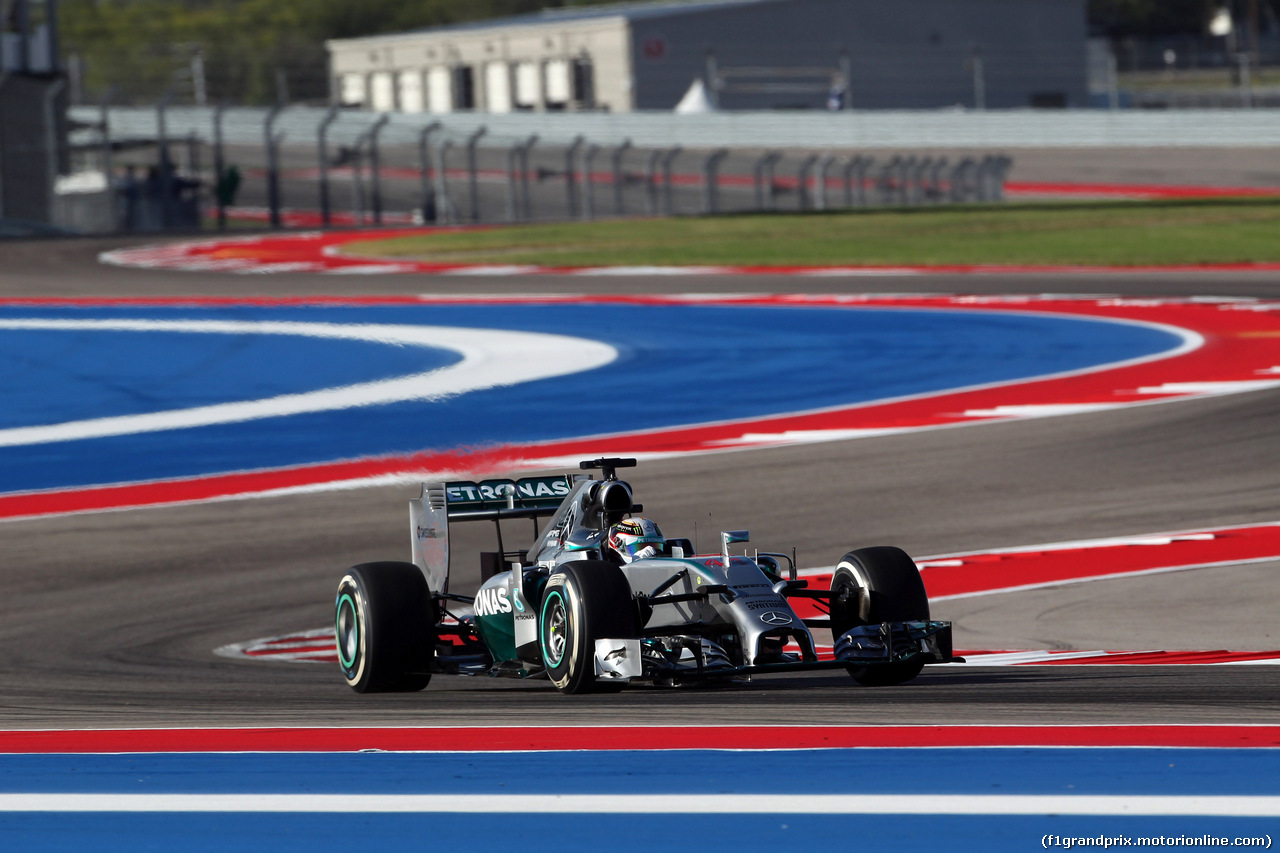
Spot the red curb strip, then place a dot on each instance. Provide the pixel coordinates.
(963, 576)
(524, 738)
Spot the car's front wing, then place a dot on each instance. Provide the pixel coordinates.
(866, 646)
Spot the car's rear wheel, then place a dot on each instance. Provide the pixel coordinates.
(874, 585)
(583, 602)
(386, 628)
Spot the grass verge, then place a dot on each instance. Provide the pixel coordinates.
(1147, 233)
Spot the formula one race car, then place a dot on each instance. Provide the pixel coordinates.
(601, 598)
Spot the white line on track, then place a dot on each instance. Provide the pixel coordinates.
(902, 804)
(490, 358)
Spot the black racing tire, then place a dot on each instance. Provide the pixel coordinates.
(384, 620)
(874, 585)
(583, 602)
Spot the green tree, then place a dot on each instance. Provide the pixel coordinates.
(143, 47)
(1120, 18)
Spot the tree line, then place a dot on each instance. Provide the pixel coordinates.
(1121, 18)
(247, 51)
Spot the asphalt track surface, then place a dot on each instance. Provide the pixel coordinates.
(111, 618)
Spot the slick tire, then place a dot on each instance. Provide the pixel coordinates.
(386, 628)
(583, 602)
(874, 585)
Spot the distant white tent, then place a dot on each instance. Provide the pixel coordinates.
(696, 101)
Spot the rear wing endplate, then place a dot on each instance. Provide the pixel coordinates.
(488, 500)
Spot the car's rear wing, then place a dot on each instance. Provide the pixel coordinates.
(488, 500)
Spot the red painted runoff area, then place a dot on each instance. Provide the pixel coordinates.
(953, 576)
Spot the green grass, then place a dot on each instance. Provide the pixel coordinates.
(1096, 233)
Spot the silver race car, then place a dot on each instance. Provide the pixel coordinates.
(601, 598)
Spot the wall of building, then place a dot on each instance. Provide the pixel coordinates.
(526, 67)
(907, 54)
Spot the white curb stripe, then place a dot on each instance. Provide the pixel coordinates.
(490, 358)
(922, 803)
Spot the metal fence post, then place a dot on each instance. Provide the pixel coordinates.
(322, 133)
(526, 199)
(906, 167)
(570, 174)
(272, 142)
(864, 166)
(651, 180)
(757, 175)
(935, 194)
(473, 176)
(771, 187)
(1002, 166)
(219, 164)
(166, 164)
(444, 204)
(51, 145)
(763, 173)
(359, 198)
(375, 167)
(851, 167)
(976, 185)
(960, 180)
(884, 178)
(667, 200)
(887, 182)
(619, 177)
(424, 172)
(711, 180)
(916, 188)
(824, 166)
(802, 180)
(104, 113)
(513, 182)
(991, 177)
(359, 202)
(588, 201)
(194, 166)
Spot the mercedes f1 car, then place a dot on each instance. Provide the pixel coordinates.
(600, 600)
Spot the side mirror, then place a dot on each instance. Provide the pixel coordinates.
(729, 537)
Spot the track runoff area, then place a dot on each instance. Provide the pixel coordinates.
(360, 378)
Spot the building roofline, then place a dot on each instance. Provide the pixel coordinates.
(630, 11)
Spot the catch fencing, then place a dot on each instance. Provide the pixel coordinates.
(300, 167)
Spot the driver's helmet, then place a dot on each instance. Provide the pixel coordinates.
(636, 539)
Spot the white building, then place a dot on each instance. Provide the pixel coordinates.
(750, 54)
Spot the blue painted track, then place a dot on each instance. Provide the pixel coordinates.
(677, 365)
(917, 774)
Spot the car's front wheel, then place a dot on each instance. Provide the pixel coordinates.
(385, 624)
(874, 585)
(583, 602)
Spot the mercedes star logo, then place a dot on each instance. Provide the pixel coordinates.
(774, 617)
